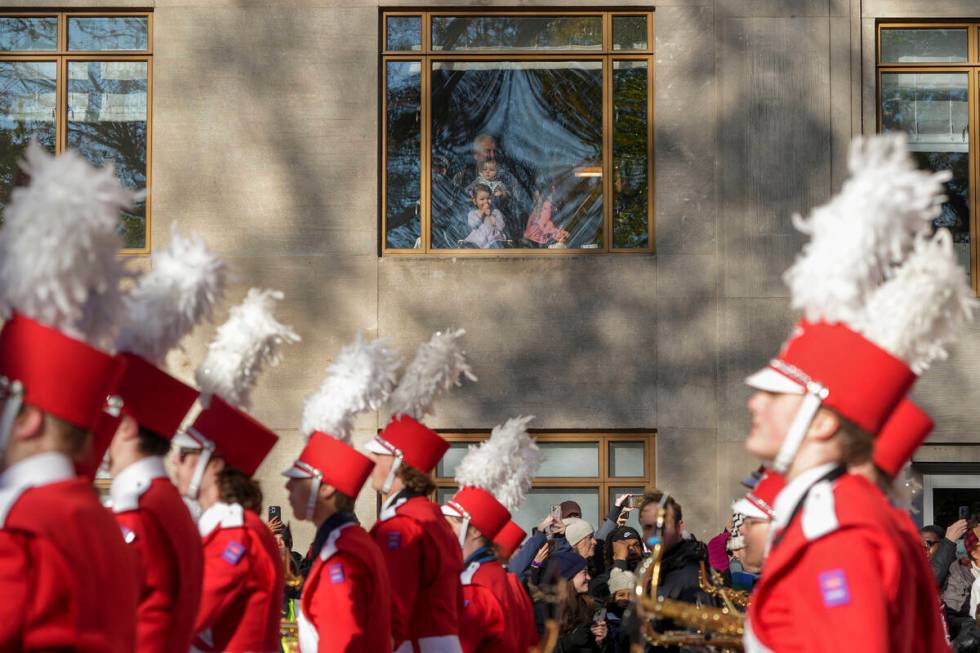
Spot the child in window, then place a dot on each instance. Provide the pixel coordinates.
(485, 222)
(488, 176)
(540, 229)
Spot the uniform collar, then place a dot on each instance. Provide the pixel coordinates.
(225, 515)
(792, 494)
(41, 469)
(130, 484)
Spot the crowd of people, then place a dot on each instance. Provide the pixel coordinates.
(819, 549)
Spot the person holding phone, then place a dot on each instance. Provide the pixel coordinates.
(582, 624)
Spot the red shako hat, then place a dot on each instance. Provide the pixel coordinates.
(418, 445)
(233, 434)
(58, 374)
(478, 507)
(855, 377)
(760, 502)
(509, 539)
(906, 429)
(334, 462)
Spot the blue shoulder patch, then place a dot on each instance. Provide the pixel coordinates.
(233, 553)
(834, 589)
(394, 539)
(336, 571)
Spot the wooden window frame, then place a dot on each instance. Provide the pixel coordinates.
(972, 69)
(602, 483)
(62, 56)
(426, 56)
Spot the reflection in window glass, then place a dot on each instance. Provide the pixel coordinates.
(516, 154)
(627, 459)
(630, 157)
(404, 33)
(107, 123)
(403, 176)
(932, 109)
(629, 32)
(634, 515)
(569, 460)
(28, 34)
(516, 32)
(107, 33)
(540, 500)
(27, 110)
(923, 45)
(452, 458)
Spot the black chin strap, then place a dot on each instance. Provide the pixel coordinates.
(831, 476)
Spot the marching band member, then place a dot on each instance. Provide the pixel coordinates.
(422, 555)
(492, 619)
(346, 601)
(243, 587)
(508, 540)
(167, 303)
(67, 579)
(757, 508)
(880, 299)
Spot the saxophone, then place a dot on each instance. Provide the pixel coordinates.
(717, 629)
(734, 600)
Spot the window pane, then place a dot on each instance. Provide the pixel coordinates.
(404, 33)
(517, 155)
(516, 32)
(634, 515)
(444, 494)
(107, 123)
(104, 34)
(27, 110)
(627, 459)
(569, 459)
(403, 171)
(923, 45)
(19, 33)
(932, 109)
(629, 32)
(447, 466)
(540, 500)
(630, 156)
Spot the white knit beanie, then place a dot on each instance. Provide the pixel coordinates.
(576, 530)
(621, 580)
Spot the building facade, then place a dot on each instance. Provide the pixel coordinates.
(269, 127)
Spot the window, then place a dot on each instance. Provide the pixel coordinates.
(81, 81)
(927, 88)
(529, 132)
(589, 468)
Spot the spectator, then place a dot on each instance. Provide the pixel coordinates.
(580, 536)
(623, 552)
(682, 554)
(622, 588)
(962, 574)
(582, 624)
(940, 548)
(570, 509)
(550, 532)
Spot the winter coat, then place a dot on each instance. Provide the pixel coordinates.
(940, 561)
(680, 573)
(956, 596)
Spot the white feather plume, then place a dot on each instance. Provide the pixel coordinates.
(181, 291)
(438, 365)
(918, 312)
(59, 246)
(243, 346)
(864, 230)
(504, 464)
(360, 379)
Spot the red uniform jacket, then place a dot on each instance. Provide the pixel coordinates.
(346, 597)
(424, 561)
(489, 623)
(64, 555)
(241, 601)
(840, 579)
(523, 615)
(158, 527)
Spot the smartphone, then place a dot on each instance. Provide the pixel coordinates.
(556, 512)
(964, 512)
(275, 512)
(599, 616)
